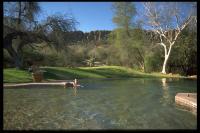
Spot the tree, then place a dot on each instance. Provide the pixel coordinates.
(167, 21)
(56, 28)
(140, 47)
(122, 37)
(17, 17)
(185, 62)
(20, 29)
(21, 14)
(124, 13)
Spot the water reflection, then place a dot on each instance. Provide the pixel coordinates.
(164, 84)
(166, 97)
(75, 91)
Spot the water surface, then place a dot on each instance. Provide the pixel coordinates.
(139, 103)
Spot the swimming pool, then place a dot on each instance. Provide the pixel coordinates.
(138, 103)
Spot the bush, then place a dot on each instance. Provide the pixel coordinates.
(153, 62)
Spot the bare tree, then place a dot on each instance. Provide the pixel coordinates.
(167, 21)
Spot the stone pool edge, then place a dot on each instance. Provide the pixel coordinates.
(35, 84)
(187, 100)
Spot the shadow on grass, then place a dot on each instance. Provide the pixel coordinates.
(65, 73)
(52, 73)
(108, 72)
(70, 73)
(14, 76)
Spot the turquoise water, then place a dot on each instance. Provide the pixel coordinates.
(138, 103)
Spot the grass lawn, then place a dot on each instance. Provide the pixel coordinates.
(12, 75)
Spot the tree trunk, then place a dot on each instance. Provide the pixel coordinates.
(127, 31)
(167, 53)
(18, 62)
(16, 57)
(164, 64)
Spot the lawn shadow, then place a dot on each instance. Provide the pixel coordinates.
(108, 72)
(63, 73)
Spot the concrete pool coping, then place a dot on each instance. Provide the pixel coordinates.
(187, 100)
(37, 84)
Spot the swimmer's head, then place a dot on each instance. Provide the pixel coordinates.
(75, 81)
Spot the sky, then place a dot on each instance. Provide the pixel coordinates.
(90, 15)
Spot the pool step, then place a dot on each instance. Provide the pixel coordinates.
(187, 100)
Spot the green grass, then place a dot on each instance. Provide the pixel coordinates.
(12, 75)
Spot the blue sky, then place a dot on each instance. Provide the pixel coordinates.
(90, 15)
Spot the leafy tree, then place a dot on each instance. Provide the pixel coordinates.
(124, 13)
(184, 59)
(128, 38)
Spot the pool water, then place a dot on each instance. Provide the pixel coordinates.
(139, 103)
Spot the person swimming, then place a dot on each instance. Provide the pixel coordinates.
(73, 84)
